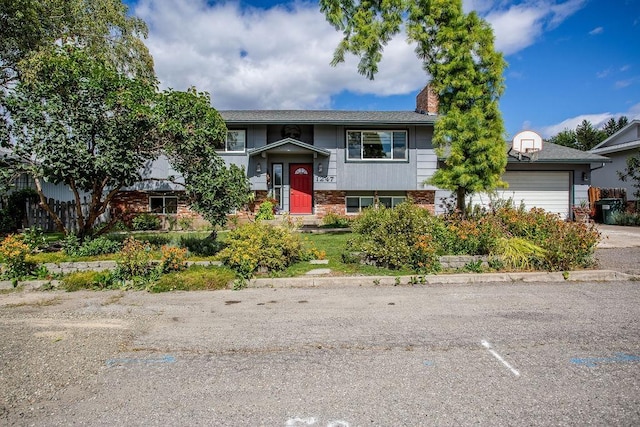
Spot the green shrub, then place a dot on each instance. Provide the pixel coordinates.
(146, 221)
(200, 246)
(568, 245)
(571, 245)
(13, 255)
(195, 278)
(406, 235)
(134, 260)
(34, 238)
(625, 218)
(173, 259)
(185, 223)
(518, 253)
(335, 220)
(265, 211)
(155, 240)
(88, 280)
(257, 245)
(99, 246)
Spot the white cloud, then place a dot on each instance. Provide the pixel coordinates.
(518, 26)
(279, 58)
(597, 30)
(598, 120)
(264, 59)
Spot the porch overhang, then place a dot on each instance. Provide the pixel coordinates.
(288, 146)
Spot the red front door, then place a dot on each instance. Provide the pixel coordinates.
(300, 179)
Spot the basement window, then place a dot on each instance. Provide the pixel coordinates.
(163, 204)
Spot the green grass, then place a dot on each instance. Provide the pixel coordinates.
(334, 245)
(195, 278)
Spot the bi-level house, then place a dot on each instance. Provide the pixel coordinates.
(313, 162)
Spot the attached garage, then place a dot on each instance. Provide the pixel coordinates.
(548, 190)
(555, 180)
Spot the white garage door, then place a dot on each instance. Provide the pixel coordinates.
(546, 190)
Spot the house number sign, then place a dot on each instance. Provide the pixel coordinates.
(328, 178)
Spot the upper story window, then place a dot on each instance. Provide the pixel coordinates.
(376, 145)
(236, 141)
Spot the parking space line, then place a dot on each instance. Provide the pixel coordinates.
(495, 354)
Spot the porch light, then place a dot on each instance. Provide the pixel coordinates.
(319, 167)
(258, 168)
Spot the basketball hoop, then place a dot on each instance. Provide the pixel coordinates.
(527, 144)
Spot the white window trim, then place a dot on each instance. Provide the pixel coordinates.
(164, 205)
(404, 199)
(377, 159)
(226, 150)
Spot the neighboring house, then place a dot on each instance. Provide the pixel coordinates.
(618, 147)
(314, 162)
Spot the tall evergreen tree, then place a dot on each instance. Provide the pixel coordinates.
(457, 51)
(612, 126)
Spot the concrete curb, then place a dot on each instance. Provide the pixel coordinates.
(373, 281)
(443, 279)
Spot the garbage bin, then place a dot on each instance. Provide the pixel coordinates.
(605, 208)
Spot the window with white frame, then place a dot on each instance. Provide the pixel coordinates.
(163, 204)
(236, 141)
(355, 204)
(376, 145)
(390, 201)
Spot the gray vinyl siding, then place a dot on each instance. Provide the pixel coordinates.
(607, 176)
(326, 136)
(337, 172)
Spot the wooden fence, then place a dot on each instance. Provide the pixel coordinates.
(38, 217)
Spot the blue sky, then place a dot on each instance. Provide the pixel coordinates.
(569, 60)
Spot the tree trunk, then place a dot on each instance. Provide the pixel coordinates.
(461, 194)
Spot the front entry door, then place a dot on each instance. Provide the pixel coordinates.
(300, 178)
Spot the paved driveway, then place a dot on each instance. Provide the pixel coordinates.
(615, 236)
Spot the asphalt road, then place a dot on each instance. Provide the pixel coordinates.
(507, 354)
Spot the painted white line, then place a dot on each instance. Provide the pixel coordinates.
(495, 354)
(301, 421)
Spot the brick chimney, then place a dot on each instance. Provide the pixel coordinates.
(427, 101)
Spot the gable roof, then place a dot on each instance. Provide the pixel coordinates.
(288, 145)
(326, 117)
(610, 145)
(552, 153)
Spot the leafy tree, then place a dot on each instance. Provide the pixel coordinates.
(28, 28)
(82, 123)
(612, 126)
(566, 137)
(632, 173)
(457, 51)
(191, 131)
